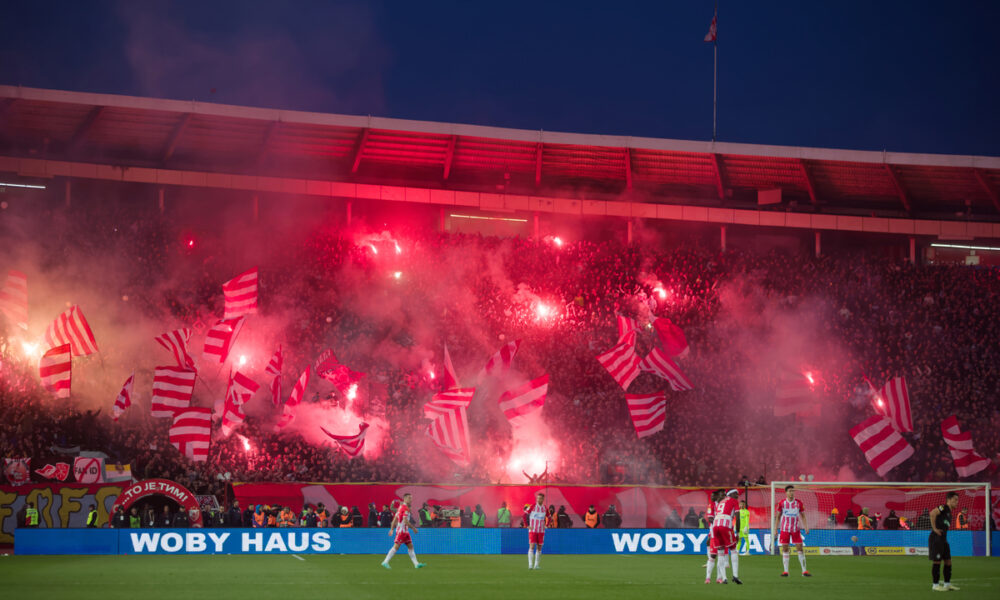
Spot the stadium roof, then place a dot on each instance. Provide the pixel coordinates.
(57, 133)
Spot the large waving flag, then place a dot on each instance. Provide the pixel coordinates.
(883, 446)
(71, 328)
(340, 375)
(450, 378)
(55, 369)
(239, 391)
(794, 395)
(288, 411)
(626, 325)
(191, 432)
(897, 404)
(621, 361)
(220, 338)
(648, 412)
(274, 369)
(176, 343)
(172, 389)
(351, 445)
(519, 402)
(660, 364)
(499, 363)
(671, 336)
(241, 294)
(124, 399)
(14, 298)
(967, 461)
(449, 427)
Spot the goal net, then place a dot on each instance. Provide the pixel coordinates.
(885, 518)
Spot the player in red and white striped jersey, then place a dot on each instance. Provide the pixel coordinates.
(710, 550)
(789, 517)
(536, 531)
(724, 535)
(401, 527)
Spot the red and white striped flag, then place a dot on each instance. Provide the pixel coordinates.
(338, 374)
(713, 30)
(658, 363)
(220, 338)
(176, 343)
(450, 378)
(172, 389)
(449, 427)
(191, 433)
(58, 471)
(967, 461)
(351, 445)
(124, 399)
(241, 294)
(239, 391)
(648, 412)
(288, 411)
(274, 369)
(519, 402)
(671, 337)
(71, 328)
(500, 362)
(883, 446)
(55, 369)
(14, 298)
(626, 325)
(896, 405)
(794, 395)
(621, 361)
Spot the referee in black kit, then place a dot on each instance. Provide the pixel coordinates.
(937, 543)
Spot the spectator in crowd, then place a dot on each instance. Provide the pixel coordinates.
(503, 515)
(591, 519)
(611, 518)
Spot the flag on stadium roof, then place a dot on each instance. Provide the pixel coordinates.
(191, 432)
(71, 328)
(351, 445)
(172, 389)
(967, 461)
(499, 363)
(648, 412)
(176, 343)
(621, 361)
(241, 294)
(519, 402)
(449, 427)
(883, 446)
(658, 363)
(288, 411)
(14, 298)
(124, 399)
(274, 369)
(220, 338)
(55, 369)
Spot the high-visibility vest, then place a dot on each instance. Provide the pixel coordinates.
(92, 518)
(134, 522)
(345, 520)
(591, 519)
(478, 520)
(321, 518)
(31, 516)
(961, 522)
(503, 516)
(272, 520)
(259, 519)
(744, 521)
(287, 519)
(864, 522)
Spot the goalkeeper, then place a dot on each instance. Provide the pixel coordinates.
(743, 543)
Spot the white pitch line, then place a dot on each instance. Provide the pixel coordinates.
(298, 557)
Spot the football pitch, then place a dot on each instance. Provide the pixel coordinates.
(472, 577)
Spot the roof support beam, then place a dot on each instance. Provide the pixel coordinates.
(175, 136)
(720, 186)
(992, 193)
(903, 196)
(538, 164)
(359, 149)
(83, 129)
(810, 186)
(449, 155)
(628, 168)
(265, 144)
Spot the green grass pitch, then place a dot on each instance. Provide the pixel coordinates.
(473, 577)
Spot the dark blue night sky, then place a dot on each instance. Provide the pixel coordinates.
(902, 76)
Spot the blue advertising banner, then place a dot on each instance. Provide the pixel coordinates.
(460, 541)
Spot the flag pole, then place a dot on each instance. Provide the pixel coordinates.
(715, 74)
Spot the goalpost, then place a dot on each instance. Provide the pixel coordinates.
(827, 504)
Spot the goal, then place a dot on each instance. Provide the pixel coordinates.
(900, 514)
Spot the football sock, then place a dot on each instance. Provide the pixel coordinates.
(531, 558)
(721, 573)
(735, 557)
(392, 552)
(936, 572)
(538, 556)
(709, 567)
(784, 561)
(802, 561)
(413, 555)
(947, 573)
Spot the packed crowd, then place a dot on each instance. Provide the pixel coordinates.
(389, 312)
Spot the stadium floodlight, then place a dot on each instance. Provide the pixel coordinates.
(819, 499)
